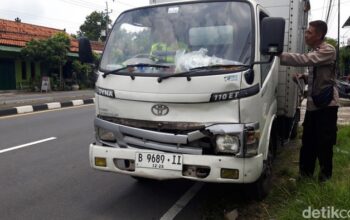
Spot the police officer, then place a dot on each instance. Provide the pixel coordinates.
(165, 48)
(320, 122)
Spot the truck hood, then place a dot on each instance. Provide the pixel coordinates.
(203, 99)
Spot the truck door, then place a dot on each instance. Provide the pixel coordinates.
(269, 82)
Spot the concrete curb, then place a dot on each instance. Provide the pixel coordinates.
(46, 106)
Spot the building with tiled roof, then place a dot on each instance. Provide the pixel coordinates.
(13, 33)
(15, 73)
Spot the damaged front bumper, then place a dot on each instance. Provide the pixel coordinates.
(150, 154)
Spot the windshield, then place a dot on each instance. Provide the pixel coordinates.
(182, 37)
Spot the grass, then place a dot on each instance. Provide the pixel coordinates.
(290, 197)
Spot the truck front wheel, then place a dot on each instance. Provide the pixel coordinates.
(261, 188)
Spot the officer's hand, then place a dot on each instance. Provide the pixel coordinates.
(298, 76)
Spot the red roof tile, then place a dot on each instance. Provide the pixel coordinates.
(17, 34)
(98, 46)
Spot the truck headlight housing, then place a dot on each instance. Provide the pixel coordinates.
(105, 135)
(252, 138)
(227, 144)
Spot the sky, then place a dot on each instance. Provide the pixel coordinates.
(70, 14)
(62, 14)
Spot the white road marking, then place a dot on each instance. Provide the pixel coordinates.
(27, 145)
(182, 202)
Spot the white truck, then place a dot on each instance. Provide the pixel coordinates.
(194, 90)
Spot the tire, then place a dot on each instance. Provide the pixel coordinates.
(261, 188)
(274, 141)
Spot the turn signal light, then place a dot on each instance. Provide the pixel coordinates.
(100, 162)
(229, 173)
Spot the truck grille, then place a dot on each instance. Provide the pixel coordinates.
(163, 126)
(160, 139)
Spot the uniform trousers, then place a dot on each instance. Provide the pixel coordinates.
(319, 136)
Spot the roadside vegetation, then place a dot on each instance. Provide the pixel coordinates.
(289, 197)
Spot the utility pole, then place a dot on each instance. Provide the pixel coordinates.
(338, 45)
(329, 11)
(107, 18)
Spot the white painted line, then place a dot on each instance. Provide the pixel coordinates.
(53, 105)
(27, 145)
(182, 202)
(24, 109)
(78, 102)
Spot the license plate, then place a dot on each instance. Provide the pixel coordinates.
(159, 161)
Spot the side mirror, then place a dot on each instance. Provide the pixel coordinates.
(85, 52)
(272, 36)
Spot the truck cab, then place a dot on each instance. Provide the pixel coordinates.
(188, 89)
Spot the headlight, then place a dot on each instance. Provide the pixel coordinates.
(227, 143)
(251, 143)
(105, 135)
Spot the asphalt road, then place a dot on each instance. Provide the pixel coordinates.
(53, 179)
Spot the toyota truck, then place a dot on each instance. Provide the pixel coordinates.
(214, 109)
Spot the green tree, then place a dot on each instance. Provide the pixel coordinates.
(130, 43)
(52, 51)
(74, 36)
(35, 50)
(332, 41)
(344, 56)
(93, 25)
(345, 60)
(84, 74)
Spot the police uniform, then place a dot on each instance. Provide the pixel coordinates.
(163, 47)
(320, 124)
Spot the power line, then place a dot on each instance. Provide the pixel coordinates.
(40, 20)
(322, 8)
(87, 2)
(80, 4)
(329, 10)
(324, 2)
(332, 20)
(16, 13)
(127, 4)
(325, 9)
(83, 3)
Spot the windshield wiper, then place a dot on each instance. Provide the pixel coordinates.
(134, 65)
(219, 66)
(202, 68)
